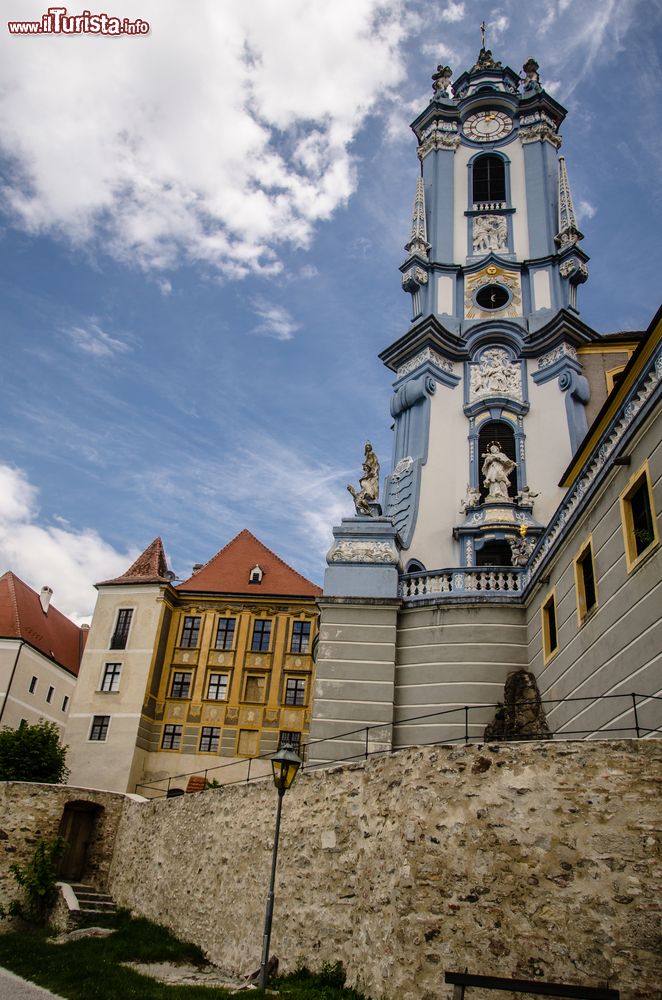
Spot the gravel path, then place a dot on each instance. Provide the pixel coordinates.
(14, 988)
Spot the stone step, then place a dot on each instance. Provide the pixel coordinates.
(92, 901)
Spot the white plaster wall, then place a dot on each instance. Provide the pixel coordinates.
(445, 289)
(443, 482)
(108, 764)
(547, 445)
(20, 704)
(518, 198)
(515, 154)
(542, 298)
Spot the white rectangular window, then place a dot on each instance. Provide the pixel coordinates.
(99, 730)
(111, 677)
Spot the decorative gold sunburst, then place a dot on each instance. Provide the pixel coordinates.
(492, 275)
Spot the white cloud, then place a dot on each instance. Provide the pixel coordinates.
(262, 481)
(497, 26)
(453, 12)
(276, 321)
(91, 339)
(165, 287)
(441, 52)
(309, 271)
(163, 150)
(60, 557)
(585, 210)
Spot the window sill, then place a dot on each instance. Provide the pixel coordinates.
(642, 557)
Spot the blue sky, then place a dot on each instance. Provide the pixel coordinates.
(200, 236)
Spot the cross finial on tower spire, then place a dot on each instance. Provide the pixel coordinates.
(483, 28)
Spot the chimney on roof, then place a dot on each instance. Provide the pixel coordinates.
(197, 567)
(45, 598)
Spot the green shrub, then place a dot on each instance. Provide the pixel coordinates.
(37, 878)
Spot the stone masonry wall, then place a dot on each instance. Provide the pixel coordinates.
(536, 860)
(30, 811)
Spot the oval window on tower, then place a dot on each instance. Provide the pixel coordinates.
(493, 297)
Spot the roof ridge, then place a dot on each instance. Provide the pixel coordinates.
(150, 566)
(244, 531)
(249, 533)
(12, 591)
(280, 560)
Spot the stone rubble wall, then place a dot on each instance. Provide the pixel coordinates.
(31, 811)
(535, 860)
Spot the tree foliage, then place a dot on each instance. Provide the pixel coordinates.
(33, 753)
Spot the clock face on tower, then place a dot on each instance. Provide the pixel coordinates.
(486, 126)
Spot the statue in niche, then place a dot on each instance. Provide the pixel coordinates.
(366, 497)
(496, 472)
(441, 82)
(490, 233)
(531, 79)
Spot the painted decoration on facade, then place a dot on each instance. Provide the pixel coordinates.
(363, 551)
(427, 355)
(493, 275)
(400, 497)
(490, 232)
(558, 354)
(495, 375)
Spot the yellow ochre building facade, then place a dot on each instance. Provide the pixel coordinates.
(199, 677)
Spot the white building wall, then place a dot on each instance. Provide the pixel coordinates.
(515, 154)
(19, 663)
(109, 764)
(443, 482)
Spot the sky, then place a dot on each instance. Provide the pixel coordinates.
(200, 235)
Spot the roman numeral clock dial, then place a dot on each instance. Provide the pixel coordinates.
(487, 126)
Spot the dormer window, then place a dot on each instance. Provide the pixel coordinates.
(255, 575)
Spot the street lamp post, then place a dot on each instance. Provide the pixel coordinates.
(285, 765)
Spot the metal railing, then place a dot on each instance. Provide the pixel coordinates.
(369, 740)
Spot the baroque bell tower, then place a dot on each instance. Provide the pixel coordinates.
(490, 398)
(493, 378)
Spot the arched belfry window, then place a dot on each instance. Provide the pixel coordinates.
(503, 434)
(489, 179)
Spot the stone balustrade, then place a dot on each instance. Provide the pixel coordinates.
(478, 581)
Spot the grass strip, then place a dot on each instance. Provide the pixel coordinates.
(91, 969)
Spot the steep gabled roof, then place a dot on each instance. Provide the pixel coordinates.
(229, 570)
(52, 633)
(150, 567)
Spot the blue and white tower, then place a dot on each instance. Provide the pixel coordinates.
(433, 597)
(492, 268)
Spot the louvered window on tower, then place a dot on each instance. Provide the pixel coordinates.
(489, 180)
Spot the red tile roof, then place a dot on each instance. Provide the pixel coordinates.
(22, 617)
(229, 570)
(150, 567)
